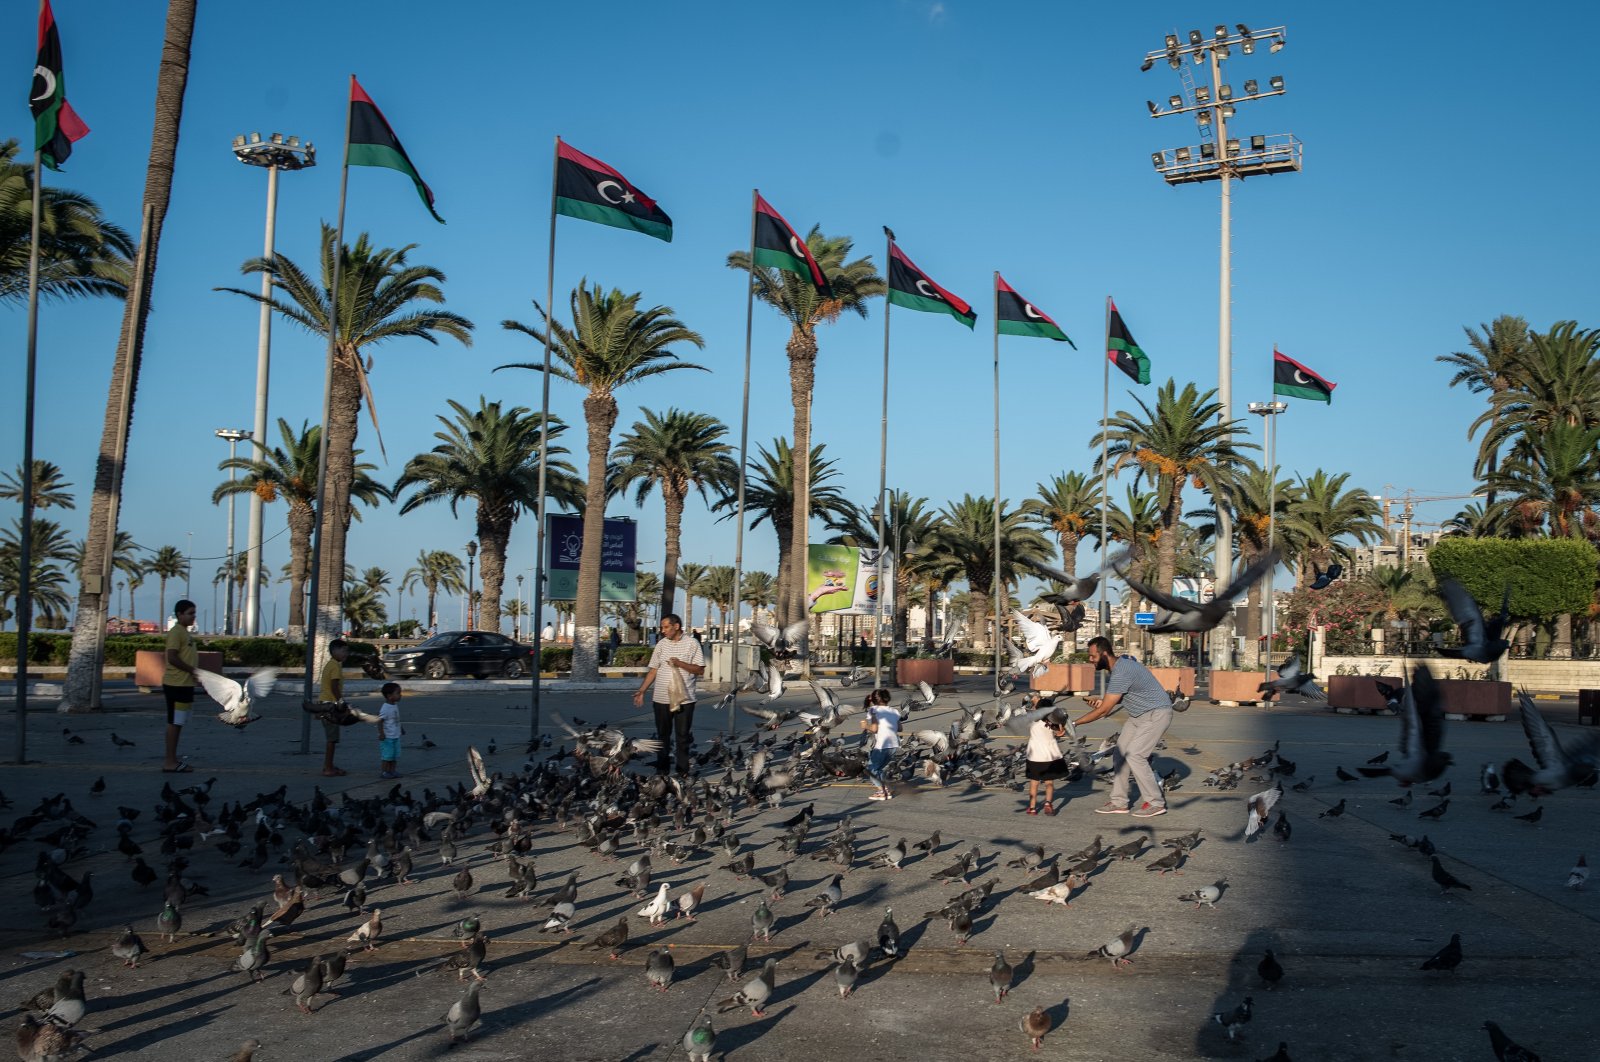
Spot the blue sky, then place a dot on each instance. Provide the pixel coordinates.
(1442, 186)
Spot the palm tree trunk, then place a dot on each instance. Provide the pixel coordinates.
(688, 610)
(1253, 656)
(600, 416)
(301, 521)
(783, 526)
(669, 563)
(1069, 551)
(494, 538)
(344, 409)
(427, 621)
(161, 597)
(90, 625)
(802, 350)
(1561, 646)
(1167, 563)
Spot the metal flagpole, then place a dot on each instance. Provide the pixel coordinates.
(1272, 533)
(744, 442)
(997, 584)
(313, 624)
(544, 449)
(25, 528)
(883, 469)
(1103, 620)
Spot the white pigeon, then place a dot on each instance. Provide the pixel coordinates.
(237, 698)
(1060, 892)
(656, 910)
(789, 641)
(1579, 874)
(832, 712)
(1042, 645)
(939, 742)
(1259, 810)
(481, 782)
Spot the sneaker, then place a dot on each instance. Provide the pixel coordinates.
(1110, 809)
(388, 774)
(879, 796)
(1148, 810)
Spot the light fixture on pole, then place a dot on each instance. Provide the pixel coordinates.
(233, 435)
(472, 559)
(1219, 158)
(188, 571)
(1269, 411)
(277, 153)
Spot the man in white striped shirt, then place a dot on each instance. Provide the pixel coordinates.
(674, 714)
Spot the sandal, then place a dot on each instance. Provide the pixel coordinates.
(1049, 809)
(1033, 811)
(182, 768)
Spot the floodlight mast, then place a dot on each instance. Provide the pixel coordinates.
(1214, 106)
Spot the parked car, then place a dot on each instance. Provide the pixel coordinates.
(449, 653)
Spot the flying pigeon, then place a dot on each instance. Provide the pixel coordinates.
(1259, 810)
(1480, 637)
(1574, 762)
(1179, 614)
(1422, 756)
(1073, 588)
(1042, 645)
(1324, 578)
(1291, 679)
(237, 698)
(785, 644)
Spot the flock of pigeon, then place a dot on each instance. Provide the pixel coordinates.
(637, 828)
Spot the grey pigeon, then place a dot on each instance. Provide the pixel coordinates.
(128, 947)
(307, 985)
(463, 1013)
(1333, 812)
(755, 992)
(658, 968)
(732, 960)
(700, 1041)
(1117, 948)
(1573, 762)
(1293, 679)
(761, 922)
(1446, 880)
(845, 975)
(1505, 1048)
(1167, 863)
(169, 921)
(1233, 1021)
(828, 898)
(1481, 639)
(254, 957)
(1446, 958)
(889, 934)
(1073, 588)
(1422, 756)
(1178, 614)
(894, 855)
(70, 1005)
(1206, 895)
(1000, 975)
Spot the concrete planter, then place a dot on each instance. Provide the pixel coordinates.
(1357, 691)
(1065, 678)
(1238, 687)
(1179, 678)
(941, 672)
(1468, 697)
(149, 665)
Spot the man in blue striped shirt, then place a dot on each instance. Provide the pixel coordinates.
(1149, 708)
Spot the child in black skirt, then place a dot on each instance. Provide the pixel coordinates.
(1045, 760)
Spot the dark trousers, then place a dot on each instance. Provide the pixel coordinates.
(669, 722)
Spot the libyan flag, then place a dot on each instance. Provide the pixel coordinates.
(1123, 350)
(588, 189)
(915, 290)
(373, 143)
(1019, 317)
(55, 124)
(778, 246)
(1293, 380)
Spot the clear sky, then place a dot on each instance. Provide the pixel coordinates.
(1447, 180)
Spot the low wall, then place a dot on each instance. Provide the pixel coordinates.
(1538, 676)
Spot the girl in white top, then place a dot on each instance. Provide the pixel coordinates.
(1045, 760)
(883, 723)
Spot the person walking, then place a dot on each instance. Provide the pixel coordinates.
(331, 692)
(389, 731)
(1149, 707)
(177, 683)
(676, 664)
(1046, 762)
(882, 726)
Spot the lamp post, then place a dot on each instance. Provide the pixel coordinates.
(1269, 411)
(472, 558)
(1220, 158)
(520, 606)
(233, 435)
(188, 570)
(275, 153)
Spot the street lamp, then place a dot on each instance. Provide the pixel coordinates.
(233, 435)
(188, 571)
(1220, 159)
(1269, 412)
(516, 623)
(472, 557)
(277, 152)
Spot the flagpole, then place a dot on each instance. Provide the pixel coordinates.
(744, 442)
(314, 624)
(997, 585)
(539, 574)
(1103, 619)
(883, 471)
(25, 535)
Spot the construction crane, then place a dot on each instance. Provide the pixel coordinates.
(1408, 501)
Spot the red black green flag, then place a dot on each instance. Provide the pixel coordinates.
(1019, 317)
(1123, 351)
(915, 290)
(1294, 380)
(55, 124)
(778, 246)
(588, 189)
(373, 143)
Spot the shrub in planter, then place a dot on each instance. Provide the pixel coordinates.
(555, 658)
(630, 655)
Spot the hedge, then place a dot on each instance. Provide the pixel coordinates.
(54, 649)
(1548, 577)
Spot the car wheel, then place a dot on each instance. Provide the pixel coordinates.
(514, 669)
(437, 668)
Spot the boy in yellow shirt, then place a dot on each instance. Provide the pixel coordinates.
(332, 692)
(177, 684)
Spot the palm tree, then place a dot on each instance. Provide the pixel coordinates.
(611, 344)
(1490, 365)
(797, 299)
(491, 456)
(1481, 520)
(1264, 515)
(632, 614)
(167, 563)
(1555, 473)
(717, 589)
(1332, 518)
(379, 293)
(80, 252)
(362, 608)
(49, 488)
(689, 576)
(1557, 380)
(514, 610)
(48, 549)
(290, 472)
(757, 589)
(908, 527)
(678, 451)
(1069, 506)
(965, 536)
(434, 571)
(1181, 440)
(377, 580)
(90, 623)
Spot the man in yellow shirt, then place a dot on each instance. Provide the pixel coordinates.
(177, 684)
(332, 692)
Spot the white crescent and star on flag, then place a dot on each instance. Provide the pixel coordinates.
(626, 196)
(48, 76)
(924, 289)
(1029, 311)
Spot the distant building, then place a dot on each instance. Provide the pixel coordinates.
(1386, 554)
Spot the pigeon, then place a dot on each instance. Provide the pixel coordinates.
(611, 940)
(1323, 579)
(1490, 779)
(828, 897)
(894, 855)
(1533, 816)
(1178, 614)
(332, 968)
(1422, 758)
(1436, 812)
(755, 992)
(1280, 1055)
(1259, 810)
(367, 932)
(1035, 1024)
(889, 934)
(1480, 637)
(1301, 787)
(656, 910)
(731, 960)
(70, 1005)
(120, 743)
(462, 884)
(1073, 589)
(142, 874)
(777, 882)
(1206, 895)
(1168, 863)
(1446, 958)
(1345, 776)
(1291, 679)
(1281, 829)
(700, 1041)
(1505, 1048)
(128, 948)
(659, 966)
(845, 975)
(785, 644)
(1269, 970)
(254, 957)
(761, 920)
(1117, 948)
(1446, 880)
(1442, 791)
(1000, 975)
(72, 739)
(930, 845)
(1559, 765)
(463, 1013)
(307, 985)
(1333, 812)
(44, 1041)
(688, 903)
(1236, 1019)
(237, 698)
(1130, 851)
(1402, 801)
(169, 921)
(1579, 874)
(1041, 643)
(960, 922)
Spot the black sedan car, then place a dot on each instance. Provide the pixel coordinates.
(481, 653)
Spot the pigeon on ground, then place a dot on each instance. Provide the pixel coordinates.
(930, 845)
(1117, 948)
(656, 910)
(1269, 970)
(845, 975)
(893, 855)
(889, 935)
(731, 960)
(1345, 776)
(367, 932)
(1128, 852)
(70, 1004)
(169, 921)
(463, 1013)
(1291, 679)
(700, 1041)
(1579, 874)
(129, 947)
(44, 1041)
(755, 992)
(1000, 975)
(120, 743)
(1446, 880)
(611, 940)
(777, 882)
(1402, 801)
(1206, 895)
(761, 920)
(1281, 829)
(254, 957)
(1573, 762)
(1505, 1048)
(1436, 812)
(307, 984)
(1490, 779)
(237, 698)
(1280, 1055)
(1446, 958)
(1178, 614)
(687, 903)
(1533, 816)
(829, 897)
(1234, 1021)
(1333, 812)
(247, 1051)
(1481, 639)
(1442, 791)
(1035, 1024)
(1169, 863)
(659, 966)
